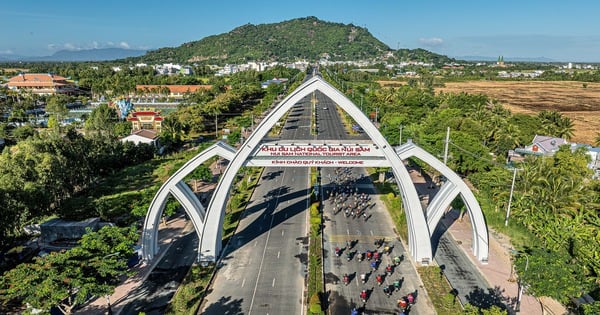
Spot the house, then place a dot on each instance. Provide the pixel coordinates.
(542, 145)
(42, 84)
(142, 136)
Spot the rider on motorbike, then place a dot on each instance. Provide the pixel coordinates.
(397, 260)
(379, 279)
(337, 251)
(388, 269)
(346, 278)
(363, 277)
(363, 295)
(374, 265)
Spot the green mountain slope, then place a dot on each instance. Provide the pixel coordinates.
(298, 39)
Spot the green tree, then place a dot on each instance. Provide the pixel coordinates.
(550, 273)
(66, 279)
(102, 120)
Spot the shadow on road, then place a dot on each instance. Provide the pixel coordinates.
(256, 228)
(225, 305)
(485, 299)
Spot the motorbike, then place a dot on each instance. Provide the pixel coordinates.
(361, 256)
(374, 265)
(389, 270)
(363, 296)
(363, 278)
(396, 285)
(379, 280)
(337, 252)
(349, 256)
(346, 280)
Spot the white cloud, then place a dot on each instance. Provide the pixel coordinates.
(90, 45)
(431, 42)
(6, 52)
(70, 46)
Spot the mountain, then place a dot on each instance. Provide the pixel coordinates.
(298, 39)
(102, 54)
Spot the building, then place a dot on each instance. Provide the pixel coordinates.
(542, 145)
(145, 120)
(143, 136)
(42, 84)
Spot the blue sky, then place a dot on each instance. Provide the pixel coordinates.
(559, 30)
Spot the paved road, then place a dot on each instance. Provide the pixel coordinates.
(264, 266)
(362, 233)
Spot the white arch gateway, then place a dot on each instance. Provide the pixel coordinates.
(421, 222)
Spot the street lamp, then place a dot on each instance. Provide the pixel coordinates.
(512, 188)
(521, 286)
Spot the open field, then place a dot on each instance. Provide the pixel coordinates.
(570, 98)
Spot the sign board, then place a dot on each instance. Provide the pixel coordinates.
(319, 150)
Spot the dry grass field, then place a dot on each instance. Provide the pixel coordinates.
(570, 98)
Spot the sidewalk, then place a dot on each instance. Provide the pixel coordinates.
(497, 271)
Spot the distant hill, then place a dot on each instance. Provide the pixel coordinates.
(102, 54)
(298, 39)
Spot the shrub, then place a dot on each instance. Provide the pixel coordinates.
(315, 304)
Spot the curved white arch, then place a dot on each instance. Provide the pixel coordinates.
(421, 224)
(183, 194)
(448, 192)
(419, 241)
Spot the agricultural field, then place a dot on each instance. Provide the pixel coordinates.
(577, 100)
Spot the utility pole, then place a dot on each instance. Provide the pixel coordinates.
(361, 102)
(376, 114)
(512, 188)
(216, 126)
(252, 124)
(400, 136)
(446, 146)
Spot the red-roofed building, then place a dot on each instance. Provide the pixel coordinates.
(42, 83)
(145, 120)
(174, 90)
(142, 136)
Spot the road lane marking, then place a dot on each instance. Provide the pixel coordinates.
(255, 242)
(273, 285)
(348, 231)
(279, 252)
(282, 232)
(243, 282)
(371, 232)
(264, 253)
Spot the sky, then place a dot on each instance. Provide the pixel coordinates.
(567, 31)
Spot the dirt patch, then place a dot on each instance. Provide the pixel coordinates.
(570, 98)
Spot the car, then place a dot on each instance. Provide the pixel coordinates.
(325, 108)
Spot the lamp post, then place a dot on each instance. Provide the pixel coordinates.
(520, 285)
(108, 296)
(512, 188)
